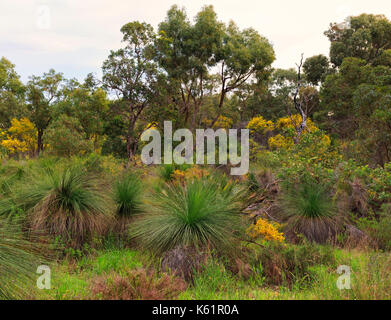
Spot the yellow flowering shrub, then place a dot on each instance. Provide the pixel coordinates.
(255, 148)
(260, 125)
(223, 123)
(280, 142)
(266, 230)
(286, 123)
(316, 149)
(312, 138)
(178, 175)
(21, 137)
(192, 173)
(151, 126)
(137, 162)
(195, 173)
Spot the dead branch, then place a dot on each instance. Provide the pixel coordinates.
(298, 105)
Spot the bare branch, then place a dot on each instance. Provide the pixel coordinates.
(298, 105)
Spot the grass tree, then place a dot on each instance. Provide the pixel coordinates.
(68, 203)
(127, 196)
(202, 212)
(19, 261)
(309, 210)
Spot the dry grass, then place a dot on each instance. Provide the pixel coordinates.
(137, 285)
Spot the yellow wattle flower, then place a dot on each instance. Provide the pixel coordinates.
(266, 230)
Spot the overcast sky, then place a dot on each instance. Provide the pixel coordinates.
(75, 36)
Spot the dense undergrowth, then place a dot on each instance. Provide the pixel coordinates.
(190, 232)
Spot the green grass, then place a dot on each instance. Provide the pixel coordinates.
(370, 278)
(68, 286)
(115, 260)
(73, 281)
(216, 282)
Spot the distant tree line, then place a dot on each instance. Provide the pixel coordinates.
(198, 74)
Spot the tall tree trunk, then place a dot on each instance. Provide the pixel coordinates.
(129, 147)
(39, 142)
(131, 141)
(219, 107)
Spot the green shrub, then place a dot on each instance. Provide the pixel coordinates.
(65, 137)
(290, 264)
(378, 229)
(202, 212)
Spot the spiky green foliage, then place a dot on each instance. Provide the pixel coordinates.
(252, 182)
(64, 202)
(200, 213)
(19, 260)
(127, 195)
(13, 173)
(166, 171)
(309, 210)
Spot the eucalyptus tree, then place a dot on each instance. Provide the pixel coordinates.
(316, 69)
(12, 93)
(357, 103)
(208, 57)
(131, 74)
(43, 94)
(88, 103)
(366, 37)
(186, 52)
(244, 55)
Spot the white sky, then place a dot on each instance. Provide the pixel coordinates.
(81, 33)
